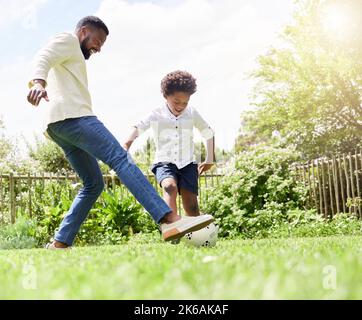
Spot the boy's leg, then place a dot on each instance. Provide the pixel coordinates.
(88, 170)
(189, 179)
(166, 176)
(170, 190)
(190, 203)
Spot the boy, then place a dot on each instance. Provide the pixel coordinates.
(174, 165)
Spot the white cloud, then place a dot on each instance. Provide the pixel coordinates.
(24, 11)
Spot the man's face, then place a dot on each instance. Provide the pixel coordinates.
(91, 40)
(178, 101)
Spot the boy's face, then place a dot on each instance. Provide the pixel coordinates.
(178, 101)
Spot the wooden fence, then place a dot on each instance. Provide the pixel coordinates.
(17, 191)
(334, 185)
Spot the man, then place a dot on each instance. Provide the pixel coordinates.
(60, 70)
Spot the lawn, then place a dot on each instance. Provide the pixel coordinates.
(295, 268)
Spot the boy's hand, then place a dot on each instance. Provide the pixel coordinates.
(204, 167)
(36, 93)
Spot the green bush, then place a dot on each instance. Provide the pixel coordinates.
(114, 218)
(256, 193)
(259, 198)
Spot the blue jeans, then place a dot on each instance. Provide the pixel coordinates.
(84, 140)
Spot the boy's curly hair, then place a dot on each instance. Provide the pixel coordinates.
(178, 81)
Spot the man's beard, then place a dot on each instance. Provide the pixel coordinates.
(83, 47)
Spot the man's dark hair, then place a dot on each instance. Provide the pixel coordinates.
(92, 21)
(178, 81)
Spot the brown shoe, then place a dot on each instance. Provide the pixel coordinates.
(51, 246)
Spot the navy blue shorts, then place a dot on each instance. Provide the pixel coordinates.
(186, 177)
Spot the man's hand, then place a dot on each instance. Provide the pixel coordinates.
(204, 167)
(36, 93)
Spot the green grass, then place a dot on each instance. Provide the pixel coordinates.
(296, 268)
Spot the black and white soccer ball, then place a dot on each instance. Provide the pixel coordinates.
(205, 237)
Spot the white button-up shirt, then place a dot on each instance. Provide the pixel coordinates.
(174, 135)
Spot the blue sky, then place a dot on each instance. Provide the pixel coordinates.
(53, 17)
(217, 41)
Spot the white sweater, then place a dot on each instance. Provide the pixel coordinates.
(62, 65)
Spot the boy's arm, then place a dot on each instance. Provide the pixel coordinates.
(210, 151)
(210, 156)
(134, 134)
(208, 134)
(138, 129)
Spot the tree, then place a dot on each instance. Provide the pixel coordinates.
(310, 90)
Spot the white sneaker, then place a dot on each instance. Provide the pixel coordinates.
(177, 229)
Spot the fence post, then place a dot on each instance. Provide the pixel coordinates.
(341, 184)
(305, 182)
(29, 190)
(205, 197)
(113, 183)
(12, 197)
(319, 189)
(314, 187)
(335, 181)
(331, 213)
(347, 181)
(324, 191)
(352, 185)
(357, 180)
(43, 181)
(311, 190)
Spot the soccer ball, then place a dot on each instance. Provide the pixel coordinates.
(205, 237)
